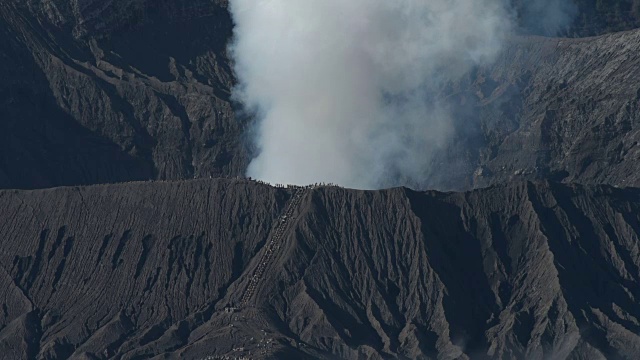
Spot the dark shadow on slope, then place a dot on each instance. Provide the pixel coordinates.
(585, 277)
(456, 257)
(40, 144)
(151, 46)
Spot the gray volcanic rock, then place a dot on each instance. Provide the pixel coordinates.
(565, 110)
(103, 18)
(125, 256)
(119, 90)
(207, 268)
(562, 109)
(90, 97)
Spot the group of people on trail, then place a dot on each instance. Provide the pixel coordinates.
(283, 186)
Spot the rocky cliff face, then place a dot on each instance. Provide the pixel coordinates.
(92, 18)
(549, 108)
(121, 90)
(110, 91)
(88, 99)
(565, 109)
(213, 268)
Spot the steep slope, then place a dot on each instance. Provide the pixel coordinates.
(91, 96)
(559, 109)
(234, 268)
(120, 90)
(563, 109)
(117, 267)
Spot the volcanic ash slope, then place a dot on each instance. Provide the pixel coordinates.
(208, 267)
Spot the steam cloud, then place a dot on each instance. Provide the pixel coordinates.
(346, 91)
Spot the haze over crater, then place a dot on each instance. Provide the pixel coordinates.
(347, 92)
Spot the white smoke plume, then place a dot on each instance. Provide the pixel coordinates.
(345, 91)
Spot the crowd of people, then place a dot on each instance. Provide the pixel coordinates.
(288, 186)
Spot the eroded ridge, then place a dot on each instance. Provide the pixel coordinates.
(273, 244)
